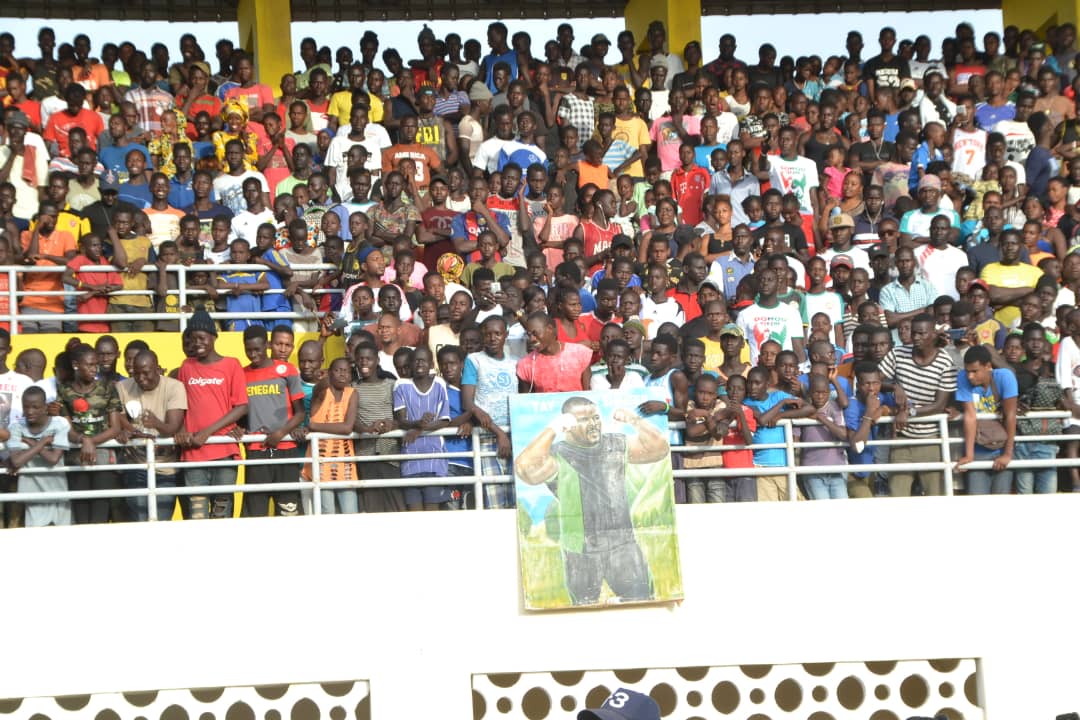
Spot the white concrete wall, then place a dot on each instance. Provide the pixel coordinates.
(416, 603)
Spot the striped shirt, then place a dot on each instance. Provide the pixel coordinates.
(416, 403)
(899, 299)
(921, 383)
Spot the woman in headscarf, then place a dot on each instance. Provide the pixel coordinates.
(235, 115)
(173, 132)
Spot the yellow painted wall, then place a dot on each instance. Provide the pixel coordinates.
(265, 32)
(166, 345)
(682, 18)
(1038, 15)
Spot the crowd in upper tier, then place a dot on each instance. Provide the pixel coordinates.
(889, 233)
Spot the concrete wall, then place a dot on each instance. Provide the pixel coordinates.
(418, 603)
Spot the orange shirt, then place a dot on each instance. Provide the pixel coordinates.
(58, 243)
(424, 158)
(596, 174)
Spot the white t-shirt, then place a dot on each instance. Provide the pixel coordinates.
(1067, 371)
(728, 126)
(969, 153)
(1018, 139)
(230, 189)
(12, 387)
(659, 313)
(859, 257)
(939, 268)
(782, 323)
(798, 176)
(487, 155)
(246, 224)
(376, 139)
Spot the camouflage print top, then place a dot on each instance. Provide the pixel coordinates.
(89, 411)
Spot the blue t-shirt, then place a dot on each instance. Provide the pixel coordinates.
(453, 443)
(985, 399)
(487, 66)
(843, 382)
(770, 457)
(703, 155)
(853, 419)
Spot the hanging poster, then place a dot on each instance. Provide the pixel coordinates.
(596, 504)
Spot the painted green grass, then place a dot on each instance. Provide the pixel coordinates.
(653, 514)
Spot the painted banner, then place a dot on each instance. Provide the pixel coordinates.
(596, 503)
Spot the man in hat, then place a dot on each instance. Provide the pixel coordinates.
(23, 165)
(623, 704)
(217, 399)
(915, 224)
(433, 131)
(842, 229)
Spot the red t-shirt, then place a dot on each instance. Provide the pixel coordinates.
(739, 458)
(555, 373)
(60, 124)
(93, 305)
(255, 97)
(689, 188)
(597, 240)
(213, 389)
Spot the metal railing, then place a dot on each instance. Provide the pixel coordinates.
(311, 490)
(183, 293)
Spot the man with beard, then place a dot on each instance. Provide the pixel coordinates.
(587, 472)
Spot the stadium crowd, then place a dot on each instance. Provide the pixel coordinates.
(882, 233)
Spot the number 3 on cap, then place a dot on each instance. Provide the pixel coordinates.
(618, 700)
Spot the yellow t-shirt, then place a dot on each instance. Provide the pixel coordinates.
(1020, 275)
(341, 107)
(137, 248)
(635, 133)
(714, 354)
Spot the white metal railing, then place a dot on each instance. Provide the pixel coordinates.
(311, 490)
(13, 317)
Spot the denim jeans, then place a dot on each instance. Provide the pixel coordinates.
(711, 490)
(1041, 480)
(348, 502)
(137, 506)
(985, 482)
(826, 487)
(219, 505)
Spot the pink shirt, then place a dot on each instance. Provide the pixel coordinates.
(555, 373)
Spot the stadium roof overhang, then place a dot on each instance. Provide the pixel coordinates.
(344, 11)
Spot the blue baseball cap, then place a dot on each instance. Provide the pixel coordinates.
(624, 704)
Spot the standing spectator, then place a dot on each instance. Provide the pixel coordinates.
(768, 407)
(23, 164)
(421, 405)
(375, 416)
(45, 246)
(769, 319)
(983, 389)
(275, 409)
(908, 295)
(93, 286)
(552, 366)
(824, 486)
(217, 400)
(155, 407)
(488, 381)
(38, 441)
(924, 377)
(333, 410)
(131, 252)
(92, 406)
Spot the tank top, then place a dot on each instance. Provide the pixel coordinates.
(597, 239)
(431, 132)
(818, 151)
(331, 469)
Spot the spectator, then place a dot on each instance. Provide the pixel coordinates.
(983, 389)
(217, 400)
(155, 407)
